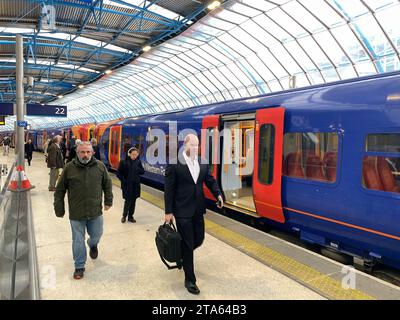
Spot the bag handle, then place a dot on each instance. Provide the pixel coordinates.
(171, 224)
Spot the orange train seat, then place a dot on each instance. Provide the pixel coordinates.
(386, 176)
(314, 169)
(330, 164)
(293, 165)
(370, 174)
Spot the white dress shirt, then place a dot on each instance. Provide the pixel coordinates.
(193, 165)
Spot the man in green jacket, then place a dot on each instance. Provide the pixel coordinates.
(86, 179)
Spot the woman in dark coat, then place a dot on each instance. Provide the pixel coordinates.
(129, 172)
(29, 151)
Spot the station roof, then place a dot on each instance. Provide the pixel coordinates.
(240, 49)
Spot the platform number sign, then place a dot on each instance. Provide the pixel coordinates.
(60, 110)
(46, 110)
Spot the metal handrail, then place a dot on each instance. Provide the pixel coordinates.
(33, 265)
(22, 264)
(4, 190)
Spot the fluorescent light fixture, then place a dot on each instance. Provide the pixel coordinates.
(17, 30)
(146, 48)
(81, 86)
(108, 71)
(213, 5)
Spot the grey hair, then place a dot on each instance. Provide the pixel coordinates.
(57, 137)
(84, 143)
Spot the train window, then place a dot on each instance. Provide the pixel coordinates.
(116, 142)
(383, 142)
(210, 144)
(310, 155)
(266, 154)
(112, 142)
(381, 173)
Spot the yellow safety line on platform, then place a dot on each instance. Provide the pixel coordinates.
(302, 273)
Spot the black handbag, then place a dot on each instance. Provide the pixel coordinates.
(169, 242)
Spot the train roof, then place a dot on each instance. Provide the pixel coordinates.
(376, 89)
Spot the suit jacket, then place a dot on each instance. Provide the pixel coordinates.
(182, 196)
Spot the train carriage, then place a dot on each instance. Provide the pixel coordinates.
(322, 161)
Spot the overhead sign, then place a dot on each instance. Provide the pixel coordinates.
(6, 109)
(46, 110)
(22, 124)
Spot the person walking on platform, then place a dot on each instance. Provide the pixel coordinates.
(29, 151)
(6, 145)
(85, 179)
(129, 172)
(71, 148)
(63, 149)
(184, 200)
(54, 161)
(96, 148)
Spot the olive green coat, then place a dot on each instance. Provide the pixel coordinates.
(85, 185)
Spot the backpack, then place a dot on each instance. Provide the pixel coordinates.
(168, 242)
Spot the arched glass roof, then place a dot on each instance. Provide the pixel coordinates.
(246, 48)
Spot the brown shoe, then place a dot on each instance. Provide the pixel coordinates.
(78, 274)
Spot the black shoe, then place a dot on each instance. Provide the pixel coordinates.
(123, 219)
(132, 220)
(78, 274)
(93, 253)
(191, 287)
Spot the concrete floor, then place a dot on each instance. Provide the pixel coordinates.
(129, 267)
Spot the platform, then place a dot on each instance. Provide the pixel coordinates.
(235, 261)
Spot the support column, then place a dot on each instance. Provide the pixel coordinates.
(20, 145)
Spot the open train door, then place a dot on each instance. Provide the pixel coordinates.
(114, 147)
(267, 179)
(210, 147)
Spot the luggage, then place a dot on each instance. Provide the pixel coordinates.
(168, 242)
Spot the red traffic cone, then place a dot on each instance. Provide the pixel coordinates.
(13, 185)
(25, 183)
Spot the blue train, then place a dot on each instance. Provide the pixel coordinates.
(322, 161)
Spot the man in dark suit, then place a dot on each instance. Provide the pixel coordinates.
(184, 200)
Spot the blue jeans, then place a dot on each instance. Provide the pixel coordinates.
(95, 230)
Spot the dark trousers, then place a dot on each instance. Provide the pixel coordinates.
(192, 233)
(129, 208)
(29, 158)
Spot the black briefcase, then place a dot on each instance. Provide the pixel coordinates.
(168, 242)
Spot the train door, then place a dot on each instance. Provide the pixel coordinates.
(238, 161)
(210, 147)
(114, 150)
(267, 178)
